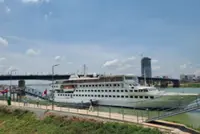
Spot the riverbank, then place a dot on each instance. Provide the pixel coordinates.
(190, 85)
(19, 121)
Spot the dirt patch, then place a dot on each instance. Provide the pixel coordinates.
(1, 123)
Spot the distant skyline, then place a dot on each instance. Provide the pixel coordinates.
(107, 36)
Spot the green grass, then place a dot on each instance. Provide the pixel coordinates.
(24, 122)
(184, 119)
(191, 85)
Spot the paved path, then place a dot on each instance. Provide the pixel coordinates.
(104, 116)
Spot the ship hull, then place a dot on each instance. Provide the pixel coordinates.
(167, 101)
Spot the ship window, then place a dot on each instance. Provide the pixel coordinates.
(131, 90)
(110, 85)
(107, 85)
(141, 97)
(79, 95)
(110, 96)
(102, 95)
(58, 94)
(118, 96)
(92, 85)
(109, 90)
(113, 96)
(126, 90)
(65, 94)
(95, 85)
(146, 97)
(117, 90)
(126, 96)
(118, 85)
(122, 96)
(95, 90)
(135, 90)
(98, 95)
(132, 87)
(113, 90)
(82, 94)
(88, 90)
(76, 94)
(91, 95)
(95, 95)
(99, 85)
(106, 91)
(83, 85)
(114, 85)
(106, 95)
(151, 97)
(91, 90)
(122, 90)
(136, 96)
(88, 95)
(86, 85)
(131, 96)
(98, 90)
(80, 85)
(102, 85)
(82, 90)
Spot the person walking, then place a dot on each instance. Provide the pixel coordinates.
(37, 101)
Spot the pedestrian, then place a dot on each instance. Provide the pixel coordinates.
(37, 101)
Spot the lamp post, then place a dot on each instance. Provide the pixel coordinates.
(53, 85)
(9, 91)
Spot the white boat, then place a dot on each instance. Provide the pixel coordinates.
(117, 90)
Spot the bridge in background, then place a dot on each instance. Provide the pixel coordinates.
(163, 81)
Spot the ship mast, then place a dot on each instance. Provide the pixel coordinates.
(84, 70)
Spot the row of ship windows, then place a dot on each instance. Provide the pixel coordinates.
(145, 90)
(97, 85)
(101, 85)
(114, 96)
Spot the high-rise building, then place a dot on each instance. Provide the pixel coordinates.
(146, 67)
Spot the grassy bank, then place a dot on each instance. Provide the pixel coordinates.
(183, 119)
(24, 122)
(190, 85)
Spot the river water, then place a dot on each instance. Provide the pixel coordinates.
(190, 118)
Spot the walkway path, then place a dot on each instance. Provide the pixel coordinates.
(95, 114)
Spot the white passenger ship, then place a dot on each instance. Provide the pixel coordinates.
(118, 90)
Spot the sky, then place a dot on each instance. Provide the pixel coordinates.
(108, 36)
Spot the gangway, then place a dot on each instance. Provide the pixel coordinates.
(192, 107)
(35, 93)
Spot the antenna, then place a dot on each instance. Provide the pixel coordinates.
(84, 70)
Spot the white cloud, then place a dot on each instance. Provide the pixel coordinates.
(35, 1)
(2, 59)
(32, 52)
(155, 67)
(46, 16)
(3, 42)
(111, 63)
(154, 61)
(7, 9)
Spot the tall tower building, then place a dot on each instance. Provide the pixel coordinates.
(146, 67)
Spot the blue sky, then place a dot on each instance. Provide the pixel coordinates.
(108, 36)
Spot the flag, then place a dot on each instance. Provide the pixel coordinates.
(4, 91)
(45, 92)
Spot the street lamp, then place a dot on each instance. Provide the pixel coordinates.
(9, 91)
(53, 84)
